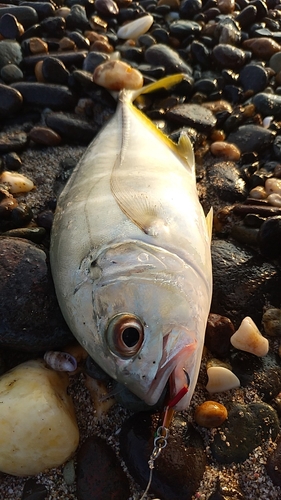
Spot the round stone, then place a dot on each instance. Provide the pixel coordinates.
(210, 414)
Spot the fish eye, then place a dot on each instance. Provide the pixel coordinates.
(125, 335)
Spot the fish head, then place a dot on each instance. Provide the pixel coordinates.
(148, 322)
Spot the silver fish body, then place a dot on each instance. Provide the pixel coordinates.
(130, 256)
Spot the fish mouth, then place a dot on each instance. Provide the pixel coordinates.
(174, 368)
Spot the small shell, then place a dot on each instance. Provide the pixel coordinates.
(210, 414)
(135, 28)
(60, 361)
(221, 379)
(267, 121)
(248, 338)
(17, 183)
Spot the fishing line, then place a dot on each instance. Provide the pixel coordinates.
(161, 436)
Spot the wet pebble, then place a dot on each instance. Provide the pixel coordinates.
(219, 329)
(44, 136)
(226, 181)
(269, 237)
(71, 127)
(27, 16)
(271, 322)
(268, 104)
(45, 95)
(210, 414)
(228, 56)
(253, 77)
(10, 100)
(246, 427)
(193, 115)
(108, 480)
(255, 282)
(10, 28)
(162, 55)
(26, 287)
(183, 456)
(262, 47)
(251, 137)
(54, 71)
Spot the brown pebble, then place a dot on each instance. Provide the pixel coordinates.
(45, 136)
(117, 75)
(225, 149)
(226, 6)
(93, 36)
(38, 72)
(271, 322)
(101, 46)
(219, 329)
(38, 46)
(258, 193)
(210, 414)
(217, 135)
(97, 23)
(263, 48)
(218, 106)
(66, 44)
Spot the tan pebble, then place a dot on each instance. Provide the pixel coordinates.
(38, 46)
(262, 47)
(248, 338)
(221, 379)
(229, 151)
(174, 4)
(274, 199)
(102, 400)
(273, 185)
(92, 36)
(16, 182)
(226, 6)
(102, 46)
(44, 136)
(117, 75)
(38, 425)
(248, 111)
(38, 72)
(135, 28)
(62, 12)
(258, 192)
(97, 23)
(217, 135)
(66, 43)
(7, 201)
(210, 414)
(271, 322)
(218, 106)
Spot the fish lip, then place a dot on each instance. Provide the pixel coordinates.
(173, 370)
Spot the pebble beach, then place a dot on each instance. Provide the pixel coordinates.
(59, 63)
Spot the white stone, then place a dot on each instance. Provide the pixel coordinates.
(117, 75)
(16, 182)
(274, 199)
(273, 185)
(135, 28)
(221, 379)
(248, 338)
(37, 419)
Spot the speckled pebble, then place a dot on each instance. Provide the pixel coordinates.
(117, 75)
(271, 322)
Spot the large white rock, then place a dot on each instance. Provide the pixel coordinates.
(248, 338)
(38, 428)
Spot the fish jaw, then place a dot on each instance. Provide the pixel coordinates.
(176, 368)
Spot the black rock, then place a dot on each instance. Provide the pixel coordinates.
(107, 7)
(105, 481)
(243, 282)
(246, 427)
(77, 18)
(33, 490)
(71, 128)
(12, 141)
(43, 9)
(273, 464)
(184, 456)
(193, 115)
(69, 58)
(12, 161)
(45, 95)
(250, 138)
(162, 55)
(10, 100)
(93, 60)
(54, 26)
(182, 29)
(229, 56)
(269, 237)
(9, 27)
(10, 52)
(27, 16)
(54, 71)
(11, 73)
(247, 16)
(30, 318)
(253, 77)
(226, 182)
(268, 104)
(189, 8)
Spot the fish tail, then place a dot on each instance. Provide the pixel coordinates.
(166, 83)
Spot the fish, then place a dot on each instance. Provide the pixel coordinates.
(130, 254)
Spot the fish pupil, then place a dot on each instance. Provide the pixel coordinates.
(130, 336)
